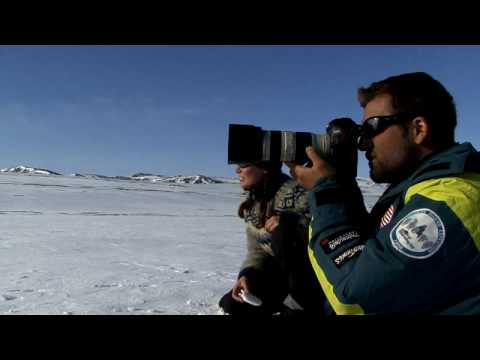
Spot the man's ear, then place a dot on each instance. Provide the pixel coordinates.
(420, 130)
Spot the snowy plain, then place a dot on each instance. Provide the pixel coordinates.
(71, 245)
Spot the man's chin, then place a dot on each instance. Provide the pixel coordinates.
(388, 178)
(376, 177)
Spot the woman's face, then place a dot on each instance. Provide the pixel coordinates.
(250, 175)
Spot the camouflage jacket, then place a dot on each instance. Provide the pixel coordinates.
(289, 197)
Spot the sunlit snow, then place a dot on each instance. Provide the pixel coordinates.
(87, 245)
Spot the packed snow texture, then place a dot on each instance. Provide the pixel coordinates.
(85, 245)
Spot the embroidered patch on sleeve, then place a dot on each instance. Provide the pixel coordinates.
(330, 245)
(347, 255)
(418, 235)
(387, 217)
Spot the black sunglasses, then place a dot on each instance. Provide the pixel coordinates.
(377, 124)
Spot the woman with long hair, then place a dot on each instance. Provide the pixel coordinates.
(276, 266)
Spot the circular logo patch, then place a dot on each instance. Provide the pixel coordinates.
(419, 234)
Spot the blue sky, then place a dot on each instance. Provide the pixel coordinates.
(117, 110)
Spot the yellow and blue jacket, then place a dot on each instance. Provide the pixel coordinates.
(416, 252)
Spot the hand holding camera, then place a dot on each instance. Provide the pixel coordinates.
(308, 176)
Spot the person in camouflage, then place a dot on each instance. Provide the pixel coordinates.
(276, 266)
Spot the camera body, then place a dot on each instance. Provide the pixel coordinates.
(338, 146)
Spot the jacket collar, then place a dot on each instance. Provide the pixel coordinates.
(452, 161)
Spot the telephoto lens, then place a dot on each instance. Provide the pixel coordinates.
(249, 143)
(338, 146)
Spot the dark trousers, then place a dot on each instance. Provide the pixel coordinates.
(289, 244)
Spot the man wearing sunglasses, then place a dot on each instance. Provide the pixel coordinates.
(418, 250)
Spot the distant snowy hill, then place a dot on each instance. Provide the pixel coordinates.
(367, 185)
(198, 179)
(140, 174)
(97, 176)
(227, 180)
(179, 179)
(29, 170)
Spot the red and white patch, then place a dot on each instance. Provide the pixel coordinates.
(387, 217)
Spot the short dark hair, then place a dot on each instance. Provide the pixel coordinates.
(418, 94)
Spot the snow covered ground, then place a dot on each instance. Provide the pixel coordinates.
(72, 245)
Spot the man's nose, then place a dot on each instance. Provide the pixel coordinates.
(364, 144)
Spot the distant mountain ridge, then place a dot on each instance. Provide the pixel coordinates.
(179, 179)
(366, 184)
(29, 170)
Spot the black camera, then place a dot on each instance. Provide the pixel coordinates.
(338, 146)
